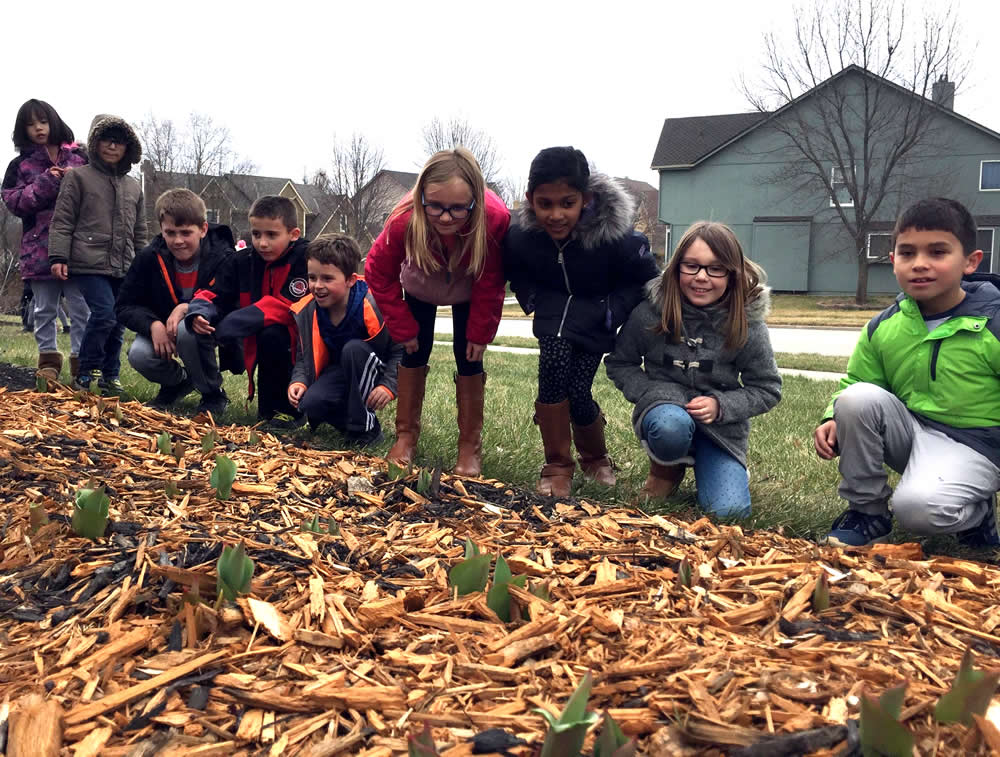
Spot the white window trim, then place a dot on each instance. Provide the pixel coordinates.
(833, 203)
(868, 245)
(993, 243)
(981, 163)
(218, 215)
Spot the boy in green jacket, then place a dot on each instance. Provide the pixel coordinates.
(922, 393)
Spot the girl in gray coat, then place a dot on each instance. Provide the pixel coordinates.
(695, 358)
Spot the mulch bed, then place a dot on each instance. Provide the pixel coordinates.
(349, 642)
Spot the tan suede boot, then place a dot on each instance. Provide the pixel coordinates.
(662, 480)
(592, 451)
(556, 477)
(469, 392)
(74, 366)
(409, 405)
(50, 365)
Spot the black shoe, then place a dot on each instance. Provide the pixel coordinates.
(985, 534)
(282, 421)
(215, 403)
(369, 438)
(168, 395)
(111, 386)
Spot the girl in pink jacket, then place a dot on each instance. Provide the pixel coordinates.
(442, 245)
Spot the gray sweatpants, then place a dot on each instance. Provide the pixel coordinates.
(196, 351)
(45, 301)
(945, 487)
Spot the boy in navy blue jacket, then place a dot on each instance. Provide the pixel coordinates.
(345, 361)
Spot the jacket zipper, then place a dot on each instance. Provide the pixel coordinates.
(934, 358)
(562, 264)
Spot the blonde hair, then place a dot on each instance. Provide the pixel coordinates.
(420, 234)
(744, 282)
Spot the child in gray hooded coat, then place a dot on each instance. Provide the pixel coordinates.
(695, 357)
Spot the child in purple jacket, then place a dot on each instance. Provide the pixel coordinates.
(30, 187)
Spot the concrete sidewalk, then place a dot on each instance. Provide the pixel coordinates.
(815, 375)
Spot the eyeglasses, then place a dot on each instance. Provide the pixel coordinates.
(693, 269)
(436, 209)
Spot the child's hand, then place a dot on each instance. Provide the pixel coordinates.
(474, 352)
(703, 409)
(174, 321)
(295, 392)
(411, 346)
(378, 398)
(200, 325)
(825, 440)
(57, 171)
(60, 271)
(163, 345)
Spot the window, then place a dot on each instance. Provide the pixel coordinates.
(343, 223)
(212, 215)
(879, 246)
(840, 191)
(984, 241)
(989, 176)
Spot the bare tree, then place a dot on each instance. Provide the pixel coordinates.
(355, 175)
(439, 135)
(159, 143)
(203, 147)
(858, 141)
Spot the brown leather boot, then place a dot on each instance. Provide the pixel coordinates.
(409, 404)
(592, 451)
(49, 365)
(469, 392)
(74, 366)
(557, 473)
(662, 480)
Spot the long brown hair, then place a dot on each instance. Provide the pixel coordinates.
(743, 284)
(420, 234)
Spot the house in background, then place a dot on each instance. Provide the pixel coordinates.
(647, 214)
(228, 199)
(724, 168)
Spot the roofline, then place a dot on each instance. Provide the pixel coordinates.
(222, 189)
(766, 117)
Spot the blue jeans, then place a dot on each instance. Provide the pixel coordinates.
(722, 481)
(102, 340)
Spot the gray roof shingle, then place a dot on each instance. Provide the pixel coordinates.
(683, 141)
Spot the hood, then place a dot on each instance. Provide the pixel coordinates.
(608, 216)
(757, 308)
(133, 149)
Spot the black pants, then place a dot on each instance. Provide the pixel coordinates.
(339, 395)
(274, 371)
(567, 372)
(425, 314)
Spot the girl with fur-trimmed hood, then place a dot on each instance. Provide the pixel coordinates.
(695, 358)
(97, 226)
(574, 261)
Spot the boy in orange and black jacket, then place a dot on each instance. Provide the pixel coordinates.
(155, 297)
(251, 300)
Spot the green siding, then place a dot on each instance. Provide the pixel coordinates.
(738, 185)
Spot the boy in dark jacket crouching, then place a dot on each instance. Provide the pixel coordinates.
(153, 302)
(345, 361)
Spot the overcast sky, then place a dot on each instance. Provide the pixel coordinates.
(286, 76)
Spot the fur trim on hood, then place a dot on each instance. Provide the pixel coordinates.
(758, 307)
(101, 124)
(608, 216)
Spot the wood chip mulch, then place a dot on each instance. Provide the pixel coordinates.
(349, 642)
